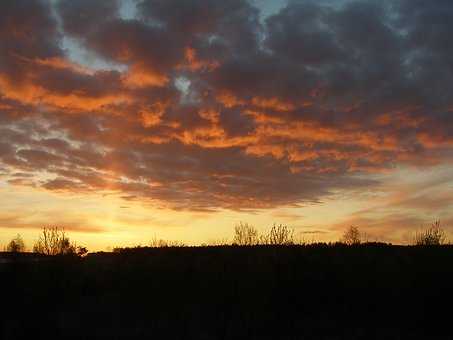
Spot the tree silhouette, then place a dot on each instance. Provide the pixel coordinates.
(53, 241)
(279, 235)
(433, 236)
(16, 245)
(352, 236)
(245, 235)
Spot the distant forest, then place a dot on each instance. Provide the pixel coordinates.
(54, 241)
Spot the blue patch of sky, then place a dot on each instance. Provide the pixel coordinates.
(269, 7)
(128, 9)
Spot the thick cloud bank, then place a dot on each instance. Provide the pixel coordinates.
(214, 107)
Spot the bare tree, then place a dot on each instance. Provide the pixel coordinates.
(245, 235)
(433, 236)
(279, 235)
(352, 236)
(53, 241)
(16, 245)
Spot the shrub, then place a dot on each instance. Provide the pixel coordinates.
(81, 251)
(53, 241)
(245, 235)
(279, 235)
(16, 245)
(352, 236)
(433, 236)
(216, 242)
(161, 243)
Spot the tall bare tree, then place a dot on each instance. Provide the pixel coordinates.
(279, 235)
(352, 236)
(245, 235)
(53, 241)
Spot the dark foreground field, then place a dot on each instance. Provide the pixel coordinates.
(315, 292)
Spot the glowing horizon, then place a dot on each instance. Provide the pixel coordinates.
(122, 121)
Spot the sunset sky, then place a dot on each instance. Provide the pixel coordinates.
(132, 120)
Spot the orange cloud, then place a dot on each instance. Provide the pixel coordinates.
(139, 76)
(228, 99)
(31, 93)
(193, 64)
(273, 104)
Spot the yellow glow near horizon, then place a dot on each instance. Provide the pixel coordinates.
(103, 222)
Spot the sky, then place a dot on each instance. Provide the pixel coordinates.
(125, 121)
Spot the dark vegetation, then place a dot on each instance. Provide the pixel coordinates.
(16, 245)
(432, 236)
(53, 241)
(282, 290)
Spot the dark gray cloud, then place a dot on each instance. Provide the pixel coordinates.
(25, 36)
(84, 17)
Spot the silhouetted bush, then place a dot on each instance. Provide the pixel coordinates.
(16, 245)
(81, 251)
(53, 241)
(433, 236)
(217, 243)
(279, 235)
(245, 235)
(161, 243)
(352, 236)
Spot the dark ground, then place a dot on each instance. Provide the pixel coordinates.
(313, 292)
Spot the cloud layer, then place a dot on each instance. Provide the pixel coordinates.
(315, 99)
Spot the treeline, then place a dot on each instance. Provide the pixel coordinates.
(54, 241)
(246, 235)
(51, 241)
